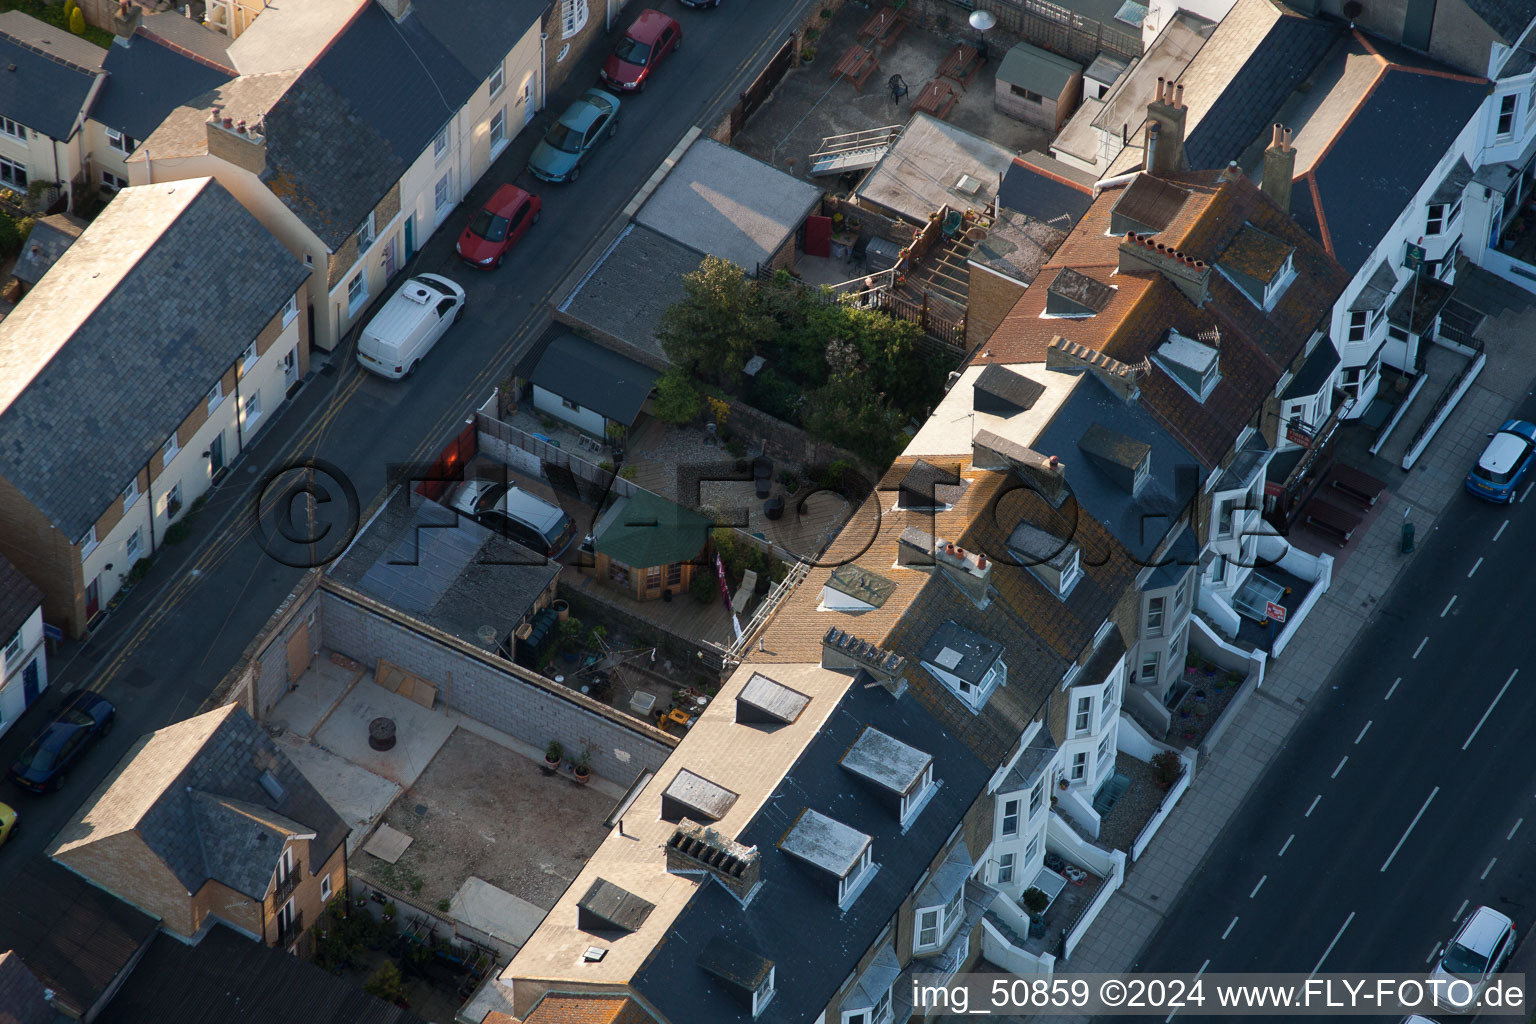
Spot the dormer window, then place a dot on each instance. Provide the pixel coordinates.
(1075, 294)
(763, 994)
(940, 904)
(1054, 562)
(903, 773)
(747, 975)
(1260, 264)
(967, 663)
(854, 879)
(1124, 459)
(836, 851)
(853, 589)
(1194, 365)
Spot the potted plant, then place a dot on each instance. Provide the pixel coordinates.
(807, 54)
(390, 910)
(554, 754)
(1166, 767)
(562, 608)
(1063, 784)
(1034, 901)
(582, 767)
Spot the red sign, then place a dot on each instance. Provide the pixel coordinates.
(1273, 489)
(1274, 611)
(1298, 437)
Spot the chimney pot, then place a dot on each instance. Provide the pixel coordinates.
(1178, 95)
(228, 122)
(1054, 461)
(1160, 90)
(981, 561)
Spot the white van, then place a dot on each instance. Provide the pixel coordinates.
(410, 323)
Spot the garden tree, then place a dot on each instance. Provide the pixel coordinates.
(718, 326)
(849, 411)
(386, 983)
(77, 21)
(677, 397)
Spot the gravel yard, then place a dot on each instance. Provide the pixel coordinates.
(481, 809)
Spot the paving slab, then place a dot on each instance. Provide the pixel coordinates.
(306, 705)
(358, 795)
(419, 733)
(387, 844)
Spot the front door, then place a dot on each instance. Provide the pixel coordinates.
(410, 236)
(216, 454)
(298, 653)
(29, 676)
(291, 368)
(527, 100)
(92, 599)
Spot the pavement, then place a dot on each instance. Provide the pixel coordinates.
(1281, 856)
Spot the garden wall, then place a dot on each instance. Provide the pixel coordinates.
(261, 677)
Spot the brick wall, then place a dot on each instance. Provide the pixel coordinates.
(502, 698)
(992, 297)
(123, 866)
(260, 678)
(226, 904)
(43, 555)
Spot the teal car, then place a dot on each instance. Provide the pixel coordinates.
(565, 147)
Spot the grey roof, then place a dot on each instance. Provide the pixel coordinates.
(1245, 465)
(148, 80)
(925, 485)
(696, 797)
(860, 583)
(1183, 553)
(1037, 70)
(1146, 204)
(1260, 79)
(961, 652)
(595, 378)
(23, 1000)
(1033, 759)
(1453, 184)
(1106, 68)
(480, 33)
(1115, 453)
(1138, 521)
(198, 839)
(876, 980)
(446, 570)
(825, 842)
(75, 938)
(1003, 392)
(609, 907)
(1377, 289)
(66, 337)
(387, 120)
(50, 74)
(623, 296)
(793, 902)
(174, 30)
(1036, 546)
(1072, 292)
(721, 202)
(228, 979)
(45, 243)
(1045, 189)
(886, 761)
(767, 700)
(1506, 17)
(1314, 372)
(918, 174)
(948, 878)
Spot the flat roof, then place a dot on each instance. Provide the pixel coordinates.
(625, 292)
(886, 761)
(919, 173)
(825, 842)
(956, 420)
(721, 202)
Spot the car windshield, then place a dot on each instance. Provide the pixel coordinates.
(490, 498)
(74, 716)
(1460, 960)
(633, 51)
(441, 289)
(489, 226)
(564, 138)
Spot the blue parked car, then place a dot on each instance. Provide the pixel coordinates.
(84, 718)
(565, 147)
(1504, 462)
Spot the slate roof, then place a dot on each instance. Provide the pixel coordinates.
(74, 938)
(622, 297)
(1046, 189)
(445, 570)
(386, 120)
(22, 997)
(595, 378)
(793, 901)
(1377, 289)
(1037, 70)
(228, 979)
(1506, 17)
(19, 598)
(969, 655)
(1314, 372)
(480, 33)
(1017, 245)
(193, 793)
(647, 530)
(45, 243)
(53, 74)
(1369, 145)
(1453, 184)
(176, 31)
(65, 336)
(148, 80)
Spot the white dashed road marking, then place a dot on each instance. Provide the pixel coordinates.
(1496, 699)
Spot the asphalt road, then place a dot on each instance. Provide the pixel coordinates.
(162, 651)
(1408, 795)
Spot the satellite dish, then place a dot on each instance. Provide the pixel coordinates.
(981, 21)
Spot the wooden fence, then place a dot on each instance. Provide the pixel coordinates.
(1062, 30)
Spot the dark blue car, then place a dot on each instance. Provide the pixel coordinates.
(84, 718)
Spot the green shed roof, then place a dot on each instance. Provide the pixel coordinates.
(1037, 70)
(645, 530)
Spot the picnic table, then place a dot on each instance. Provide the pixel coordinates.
(961, 65)
(1331, 521)
(938, 98)
(884, 26)
(856, 64)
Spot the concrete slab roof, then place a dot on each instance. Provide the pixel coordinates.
(922, 170)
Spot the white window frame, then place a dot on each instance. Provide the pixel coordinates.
(1071, 574)
(1079, 766)
(849, 885)
(1111, 702)
(912, 800)
(1036, 799)
(250, 408)
(935, 923)
(573, 17)
(498, 80)
(215, 395)
(1226, 517)
(1157, 612)
(18, 131)
(1504, 124)
(1009, 826)
(498, 127)
(764, 994)
(1358, 326)
(325, 887)
(367, 234)
(284, 867)
(1280, 283)
(1105, 753)
(173, 496)
(133, 547)
(248, 358)
(1150, 661)
(1435, 219)
(1082, 719)
(1005, 862)
(357, 292)
(113, 182)
(13, 174)
(1219, 569)
(131, 493)
(13, 649)
(1181, 595)
(290, 309)
(440, 145)
(122, 142)
(569, 404)
(1032, 849)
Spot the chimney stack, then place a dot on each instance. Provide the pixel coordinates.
(1279, 168)
(1165, 130)
(125, 22)
(242, 144)
(397, 8)
(1069, 357)
(1189, 275)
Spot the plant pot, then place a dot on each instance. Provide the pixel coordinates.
(562, 609)
(552, 765)
(581, 776)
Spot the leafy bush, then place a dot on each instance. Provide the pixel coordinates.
(735, 446)
(776, 396)
(677, 398)
(1035, 901)
(139, 570)
(703, 587)
(1166, 768)
(178, 531)
(385, 983)
(628, 472)
(11, 237)
(77, 21)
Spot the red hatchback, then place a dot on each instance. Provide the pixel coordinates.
(498, 227)
(648, 42)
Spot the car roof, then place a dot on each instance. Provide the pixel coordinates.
(466, 496)
(585, 110)
(648, 27)
(1504, 451)
(1482, 930)
(530, 509)
(505, 199)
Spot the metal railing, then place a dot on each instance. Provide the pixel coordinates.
(291, 929)
(1476, 345)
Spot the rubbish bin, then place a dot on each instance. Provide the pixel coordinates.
(1407, 537)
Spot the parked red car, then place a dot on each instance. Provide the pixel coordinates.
(648, 42)
(498, 227)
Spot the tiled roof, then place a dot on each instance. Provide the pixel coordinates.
(148, 80)
(1256, 253)
(49, 76)
(66, 336)
(19, 598)
(45, 243)
(75, 938)
(229, 979)
(572, 1008)
(194, 793)
(1045, 189)
(23, 999)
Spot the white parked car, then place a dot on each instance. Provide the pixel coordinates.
(404, 331)
(1478, 952)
